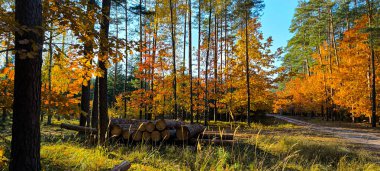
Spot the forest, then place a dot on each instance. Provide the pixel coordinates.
(188, 85)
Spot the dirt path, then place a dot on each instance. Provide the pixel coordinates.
(359, 136)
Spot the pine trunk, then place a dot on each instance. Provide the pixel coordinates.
(174, 59)
(25, 146)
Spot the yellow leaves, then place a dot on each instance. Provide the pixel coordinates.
(3, 159)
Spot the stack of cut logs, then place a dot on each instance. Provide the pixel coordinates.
(158, 131)
(164, 130)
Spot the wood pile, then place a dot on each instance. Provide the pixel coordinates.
(142, 130)
(162, 130)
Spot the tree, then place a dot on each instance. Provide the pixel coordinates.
(103, 60)
(190, 65)
(25, 146)
(126, 58)
(206, 109)
(174, 58)
(88, 53)
(373, 66)
(245, 15)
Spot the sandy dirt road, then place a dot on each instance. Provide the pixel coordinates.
(359, 136)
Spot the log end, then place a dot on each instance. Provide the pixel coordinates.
(149, 126)
(156, 136)
(146, 136)
(160, 125)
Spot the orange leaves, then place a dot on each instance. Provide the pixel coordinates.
(338, 77)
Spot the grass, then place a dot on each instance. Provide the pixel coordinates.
(269, 145)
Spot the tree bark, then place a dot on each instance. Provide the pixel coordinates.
(373, 66)
(103, 106)
(95, 105)
(191, 66)
(199, 60)
(206, 109)
(174, 60)
(88, 51)
(25, 146)
(247, 70)
(141, 55)
(126, 59)
(49, 75)
(114, 91)
(215, 67)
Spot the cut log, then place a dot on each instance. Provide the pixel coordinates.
(216, 136)
(214, 141)
(149, 126)
(124, 166)
(146, 136)
(186, 132)
(168, 134)
(156, 136)
(163, 124)
(137, 136)
(79, 128)
(142, 127)
(117, 130)
(127, 132)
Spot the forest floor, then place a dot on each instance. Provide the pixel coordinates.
(269, 144)
(359, 134)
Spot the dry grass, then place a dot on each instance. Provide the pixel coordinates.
(270, 145)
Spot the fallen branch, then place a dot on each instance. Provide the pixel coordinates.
(79, 128)
(124, 166)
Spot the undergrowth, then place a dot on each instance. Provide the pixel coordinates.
(63, 150)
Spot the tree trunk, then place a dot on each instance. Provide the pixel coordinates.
(215, 67)
(114, 91)
(184, 62)
(103, 106)
(25, 146)
(88, 52)
(141, 55)
(126, 59)
(95, 105)
(199, 60)
(206, 111)
(373, 66)
(247, 70)
(191, 65)
(49, 74)
(174, 60)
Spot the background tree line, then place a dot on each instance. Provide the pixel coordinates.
(331, 65)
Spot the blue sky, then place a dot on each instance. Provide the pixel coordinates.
(276, 21)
